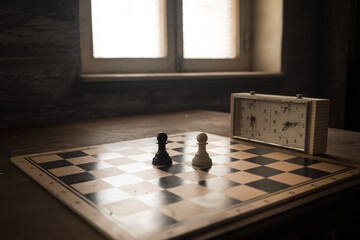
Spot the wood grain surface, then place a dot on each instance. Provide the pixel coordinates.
(27, 211)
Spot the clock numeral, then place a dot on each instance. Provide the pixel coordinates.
(280, 122)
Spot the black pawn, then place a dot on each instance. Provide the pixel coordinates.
(162, 158)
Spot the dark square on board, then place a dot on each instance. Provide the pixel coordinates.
(302, 161)
(55, 164)
(185, 149)
(259, 151)
(309, 172)
(77, 178)
(182, 158)
(218, 183)
(264, 171)
(74, 154)
(93, 166)
(261, 160)
(268, 185)
(220, 170)
(169, 182)
(176, 168)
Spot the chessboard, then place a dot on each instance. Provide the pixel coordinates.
(117, 190)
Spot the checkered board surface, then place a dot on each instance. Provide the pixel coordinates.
(116, 188)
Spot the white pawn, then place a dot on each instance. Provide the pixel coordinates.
(202, 158)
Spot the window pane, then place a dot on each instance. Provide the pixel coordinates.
(128, 28)
(210, 29)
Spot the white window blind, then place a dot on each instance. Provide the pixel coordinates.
(128, 28)
(210, 29)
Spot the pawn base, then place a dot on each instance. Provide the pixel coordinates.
(202, 160)
(162, 160)
(201, 166)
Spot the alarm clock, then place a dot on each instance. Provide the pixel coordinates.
(298, 122)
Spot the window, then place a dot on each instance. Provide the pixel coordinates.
(128, 29)
(164, 36)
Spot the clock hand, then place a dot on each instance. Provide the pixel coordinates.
(286, 109)
(288, 124)
(252, 121)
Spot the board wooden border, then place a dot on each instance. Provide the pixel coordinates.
(239, 215)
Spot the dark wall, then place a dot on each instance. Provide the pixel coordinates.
(40, 67)
(315, 51)
(353, 97)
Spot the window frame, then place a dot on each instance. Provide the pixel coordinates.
(174, 61)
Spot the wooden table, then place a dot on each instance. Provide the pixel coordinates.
(27, 211)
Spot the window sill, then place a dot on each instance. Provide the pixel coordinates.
(91, 78)
(125, 82)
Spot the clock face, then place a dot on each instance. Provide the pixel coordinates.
(276, 122)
